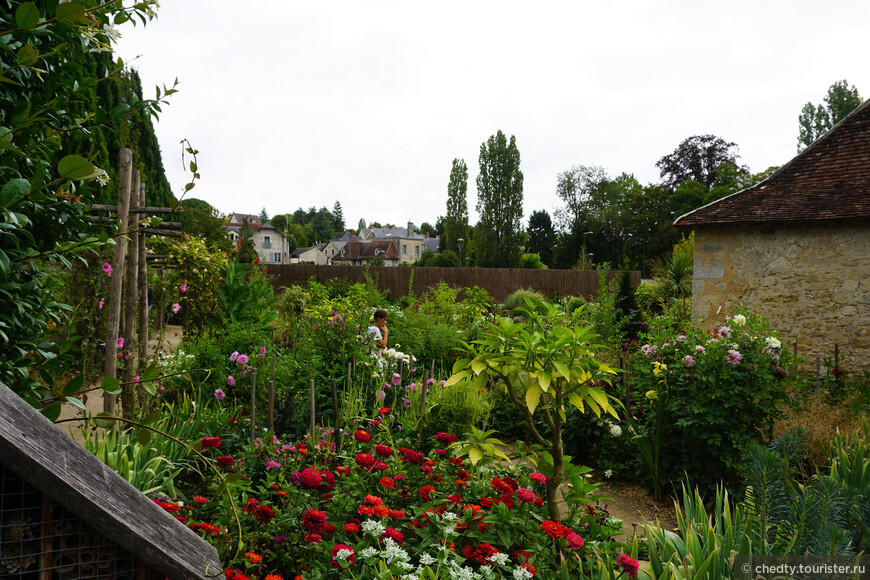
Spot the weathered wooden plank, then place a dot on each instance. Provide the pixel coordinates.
(43, 455)
(138, 209)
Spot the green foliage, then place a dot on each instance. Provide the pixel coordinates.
(497, 236)
(50, 117)
(460, 408)
(531, 261)
(698, 158)
(521, 298)
(542, 236)
(246, 296)
(456, 219)
(628, 311)
(816, 120)
(198, 218)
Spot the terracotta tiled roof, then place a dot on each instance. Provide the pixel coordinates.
(829, 180)
(355, 250)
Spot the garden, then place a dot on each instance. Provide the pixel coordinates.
(474, 445)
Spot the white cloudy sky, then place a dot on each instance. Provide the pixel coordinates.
(298, 104)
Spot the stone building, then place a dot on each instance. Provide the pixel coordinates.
(796, 248)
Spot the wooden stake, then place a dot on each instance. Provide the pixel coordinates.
(144, 333)
(162, 304)
(272, 406)
(335, 403)
(128, 397)
(253, 404)
(117, 283)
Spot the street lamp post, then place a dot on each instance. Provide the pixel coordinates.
(459, 243)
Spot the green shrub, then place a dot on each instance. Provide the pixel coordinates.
(517, 299)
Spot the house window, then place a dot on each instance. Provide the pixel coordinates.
(267, 241)
(404, 249)
(417, 251)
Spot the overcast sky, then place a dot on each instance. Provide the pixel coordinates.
(300, 104)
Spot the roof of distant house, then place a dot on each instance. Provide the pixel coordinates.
(356, 250)
(829, 180)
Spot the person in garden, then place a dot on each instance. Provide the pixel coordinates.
(378, 330)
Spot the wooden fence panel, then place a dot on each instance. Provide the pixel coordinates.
(499, 282)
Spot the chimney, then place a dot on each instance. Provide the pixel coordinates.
(410, 229)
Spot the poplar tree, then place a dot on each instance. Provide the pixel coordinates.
(456, 220)
(498, 235)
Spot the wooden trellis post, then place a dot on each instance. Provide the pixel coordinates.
(130, 305)
(117, 282)
(144, 333)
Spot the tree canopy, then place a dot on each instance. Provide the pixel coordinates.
(498, 236)
(816, 120)
(456, 220)
(698, 158)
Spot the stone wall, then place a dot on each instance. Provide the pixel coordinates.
(811, 279)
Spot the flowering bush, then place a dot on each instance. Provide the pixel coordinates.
(701, 397)
(381, 510)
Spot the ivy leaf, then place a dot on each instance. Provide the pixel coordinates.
(75, 167)
(13, 191)
(27, 16)
(70, 12)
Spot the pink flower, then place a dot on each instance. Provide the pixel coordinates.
(525, 495)
(538, 477)
(243, 359)
(102, 302)
(575, 542)
(176, 307)
(733, 358)
(724, 332)
(234, 356)
(628, 564)
(397, 379)
(120, 342)
(688, 361)
(231, 381)
(272, 464)
(184, 287)
(219, 394)
(136, 379)
(107, 268)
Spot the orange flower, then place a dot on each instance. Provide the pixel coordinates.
(381, 511)
(253, 558)
(273, 577)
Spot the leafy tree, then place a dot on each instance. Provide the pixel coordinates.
(201, 219)
(264, 215)
(245, 251)
(322, 223)
(280, 221)
(427, 228)
(375, 225)
(698, 158)
(532, 262)
(456, 220)
(337, 218)
(300, 217)
(361, 225)
(542, 236)
(816, 120)
(297, 237)
(498, 239)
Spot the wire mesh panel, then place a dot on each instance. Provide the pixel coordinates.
(41, 540)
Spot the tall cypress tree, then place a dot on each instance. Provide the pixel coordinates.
(498, 235)
(456, 220)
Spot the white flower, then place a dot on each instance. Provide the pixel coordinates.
(426, 559)
(615, 431)
(343, 554)
(393, 552)
(521, 573)
(500, 558)
(739, 320)
(450, 516)
(608, 473)
(102, 177)
(373, 528)
(450, 529)
(466, 573)
(111, 33)
(773, 342)
(369, 552)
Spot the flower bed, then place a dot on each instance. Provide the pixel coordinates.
(364, 504)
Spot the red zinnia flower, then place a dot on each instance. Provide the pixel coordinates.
(513, 483)
(313, 538)
(310, 478)
(351, 528)
(525, 495)
(384, 410)
(522, 554)
(529, 567)
(383, 450)
(396, 514)
(200, 500)
(342, 470)
(628, 564)
(387, 482)
(553, 529)
(499, 485)
(365, 461)
(446, 438)
(426, 492)
(362, 436)
(253, 558)
(205, 527)
(210, 442)
(412, 456)
(264, 514)
(350, 559)
(373, 500)
(226, 461)
(327, 481)
(394, 535)
(575, 542)
(487, 502)
(313, 520)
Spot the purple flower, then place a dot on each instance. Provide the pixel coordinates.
(231, 381)
(381, 395)
(280, 539)
(262, 351)
(136, 379)
(120, 342)
(234, 356)
(648, 350)
(176, 307)
(243, 359)
(184, 288)
(107, 268)
(688, 361)
(406, 403)
(429, 382)
(724, 332)
(272, 464)
(397, 379)
(733, 358)
(219, 394)
(102, 302)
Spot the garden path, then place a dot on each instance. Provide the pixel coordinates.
(167, 341)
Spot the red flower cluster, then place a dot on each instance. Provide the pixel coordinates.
(446, 438)
(168, 506)
(555, 529)
(234, 574)
(210, 442)
(526, 495)
(264, 514)
(529, 567)
(225, 461)
(313, 520)
(480, 554)
(412, 456)
(426, 492)
(205, 527)
(365, 461)
(383, 450)
(362, 436)
(394, 535)
(313, 538)
(387, 482)
(327, 481)
(502, 486)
